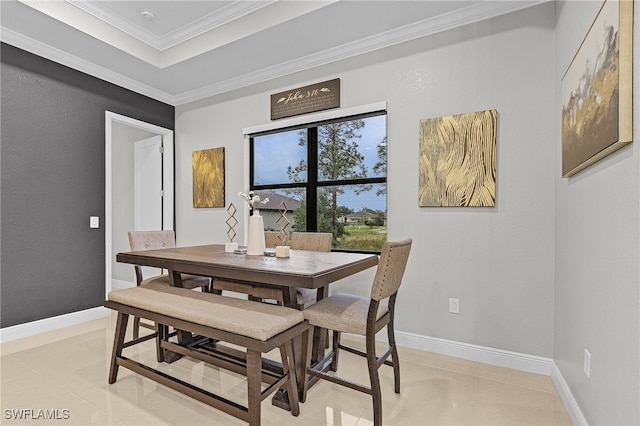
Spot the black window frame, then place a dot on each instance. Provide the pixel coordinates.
(312, 184)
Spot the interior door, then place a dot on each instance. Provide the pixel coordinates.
(147, 183)
(147, 192)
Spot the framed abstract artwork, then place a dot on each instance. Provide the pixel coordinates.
(596, 90)
(208, 177)
(458, 160)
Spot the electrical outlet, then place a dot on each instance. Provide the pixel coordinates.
(587, 364)
(454, 305)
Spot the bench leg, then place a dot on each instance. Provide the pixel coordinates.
(254, 383)
(118, 343)
(307, 350)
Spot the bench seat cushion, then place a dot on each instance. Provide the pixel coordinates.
(247, 318)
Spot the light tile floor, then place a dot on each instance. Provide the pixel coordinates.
(64, 374)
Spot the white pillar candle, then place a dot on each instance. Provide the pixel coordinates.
(282, 251)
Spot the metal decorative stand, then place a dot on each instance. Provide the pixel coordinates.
(230, 247)
(283, 249)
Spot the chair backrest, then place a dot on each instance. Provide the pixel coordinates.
(150, 240)
(391, 266)
(313, 241)
(272, 239)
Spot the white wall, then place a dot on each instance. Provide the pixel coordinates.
(597, 257)
(497, 261)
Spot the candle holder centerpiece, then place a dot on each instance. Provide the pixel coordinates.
(230, 246)
(283, 249)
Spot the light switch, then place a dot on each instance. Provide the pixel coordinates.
(94, 222)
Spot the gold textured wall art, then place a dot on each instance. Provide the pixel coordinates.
(208, 177)
(458, 160)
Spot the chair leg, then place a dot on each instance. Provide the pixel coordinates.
(136, 327)
(394, 357)
(376, 394)
(163, 334)
(118, 343)
(307, 349)
(336, 350)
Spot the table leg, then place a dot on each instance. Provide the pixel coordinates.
(184, 337)
(281, 399)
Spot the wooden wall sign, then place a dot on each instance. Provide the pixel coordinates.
(303, 100)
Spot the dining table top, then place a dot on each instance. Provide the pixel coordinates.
(306, 269)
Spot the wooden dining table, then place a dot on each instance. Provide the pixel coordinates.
(302, 269)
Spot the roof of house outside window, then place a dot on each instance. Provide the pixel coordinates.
(276, 200)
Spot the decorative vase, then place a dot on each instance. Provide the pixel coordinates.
(256, 243)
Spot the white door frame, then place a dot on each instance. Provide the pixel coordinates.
(168, 204)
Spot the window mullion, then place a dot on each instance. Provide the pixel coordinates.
(312, 179)
(251, 163)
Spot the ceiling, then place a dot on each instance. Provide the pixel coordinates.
(182, 51)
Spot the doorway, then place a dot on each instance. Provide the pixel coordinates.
(121, 135)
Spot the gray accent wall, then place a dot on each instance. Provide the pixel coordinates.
(53, 179)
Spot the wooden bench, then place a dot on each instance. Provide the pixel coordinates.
(257, 327)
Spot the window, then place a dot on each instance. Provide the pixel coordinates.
(330, 176)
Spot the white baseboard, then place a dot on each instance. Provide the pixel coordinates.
(20, 331)
(28, 329)
(570, 403)
(518, 361)
(499, 357)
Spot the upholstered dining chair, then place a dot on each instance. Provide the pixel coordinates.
(272, 239)
(219, 285)
(316, 241)
(344, 313)
(151, 240)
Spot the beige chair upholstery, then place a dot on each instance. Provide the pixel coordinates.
(151, 240)
(272, 239)
(316, 241)
(345, 313)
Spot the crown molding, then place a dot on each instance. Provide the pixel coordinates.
(475, 13)
(38, 48)
(206, 23)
